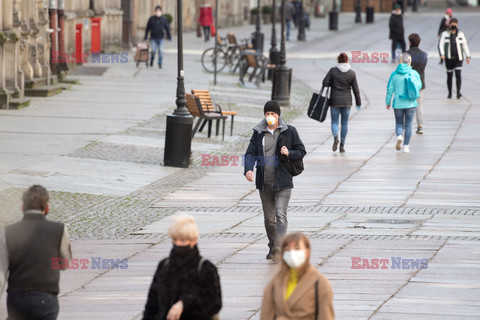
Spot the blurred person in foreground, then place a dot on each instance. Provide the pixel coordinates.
(27, 252)
(185, 285)
(297, 290)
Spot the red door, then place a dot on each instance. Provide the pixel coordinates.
(96, 35)
(78, 43)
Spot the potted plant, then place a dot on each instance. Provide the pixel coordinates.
(267, 14)
(169, 17)
(253, 15)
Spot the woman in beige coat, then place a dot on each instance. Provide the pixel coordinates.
(297, 291)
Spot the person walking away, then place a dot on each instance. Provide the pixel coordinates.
(419, 62)
(297, 290)
(185, 285)
(396, 30)
(444, 27)
(454, 48)
(404, 86)
(32, 252)
(289, 16)
(341, 79)
(272, 139)
(206, 19)
(158, 27)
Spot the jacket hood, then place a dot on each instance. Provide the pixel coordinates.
(262, 125)
(344, 67)
(403, 68)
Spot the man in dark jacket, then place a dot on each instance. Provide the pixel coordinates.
(444, 23)
(27, 252)
(157, 25)
(396, 30)
(272, 142)
(419, 62)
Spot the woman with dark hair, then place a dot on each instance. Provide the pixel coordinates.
(341, 79)
(298, 290)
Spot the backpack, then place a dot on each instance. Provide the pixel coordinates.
(411, 91)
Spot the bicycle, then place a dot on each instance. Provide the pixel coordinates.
(228, 53)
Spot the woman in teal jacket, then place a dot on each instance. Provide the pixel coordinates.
(403, 107)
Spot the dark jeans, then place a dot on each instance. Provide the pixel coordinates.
(275, 204)
(395, 43)
(32, 305)
(206, 32)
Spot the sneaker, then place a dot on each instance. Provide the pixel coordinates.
(419, 130)
(342, 148)
(335, 144)
(449, 96)
(399, 143)
(406, 149)
(270, 256)
(459, 95)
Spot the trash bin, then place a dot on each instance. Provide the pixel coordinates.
(333, 20)
(369, 12)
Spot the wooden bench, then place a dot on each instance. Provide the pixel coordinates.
(203, 114)
(250, 59)
(206, 101)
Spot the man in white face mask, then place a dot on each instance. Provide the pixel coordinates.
(272, 139)
(158, 28)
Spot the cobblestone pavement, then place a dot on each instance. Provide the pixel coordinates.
(369, 202)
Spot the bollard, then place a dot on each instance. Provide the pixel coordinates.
(333, 20)
(369, 13)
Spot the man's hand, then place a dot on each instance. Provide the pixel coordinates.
(249, 176)
(175, 311)
(388, 107)
(284, 151)
(468, 60)
(442, 57)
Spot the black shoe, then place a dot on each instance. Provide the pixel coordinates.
(419, 130)
(270, 256)
(459, 95)
(335, 144)
(160, 66)
(449, 96)
(441, 62)
(342, 148)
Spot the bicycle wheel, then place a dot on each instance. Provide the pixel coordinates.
(208, 60)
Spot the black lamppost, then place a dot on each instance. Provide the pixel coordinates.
(257, 35)
(282, 78)
(178, 136)
(274, 54)
(333, 17)
(358, 11)
(301, 25)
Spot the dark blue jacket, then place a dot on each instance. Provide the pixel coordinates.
(254, 155)
(158, 27)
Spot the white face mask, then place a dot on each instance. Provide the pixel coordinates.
(158, 14)
(295, 258)
(271, 120)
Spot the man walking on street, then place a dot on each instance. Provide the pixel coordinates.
(157, 25)
(444, 25)
(396, 30)
(271, 141)
(27, 250)
(289, 16)
(419, 62)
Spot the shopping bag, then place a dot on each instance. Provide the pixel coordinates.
(319, 104)
(199, 30)
(212, 29)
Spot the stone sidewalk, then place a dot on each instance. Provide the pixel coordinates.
(370, 202)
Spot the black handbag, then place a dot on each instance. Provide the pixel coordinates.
(319, 104)
(295, 167)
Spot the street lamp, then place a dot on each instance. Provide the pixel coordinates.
(257, 35)
(178, 136)
(301, 25)
(333, 17)
(273, 50)
(282, 77)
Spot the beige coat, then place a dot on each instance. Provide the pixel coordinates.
(301, 304)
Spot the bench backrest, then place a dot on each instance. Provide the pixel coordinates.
(251, 58)
(193, 105)
(231, 38)
(205, 99)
